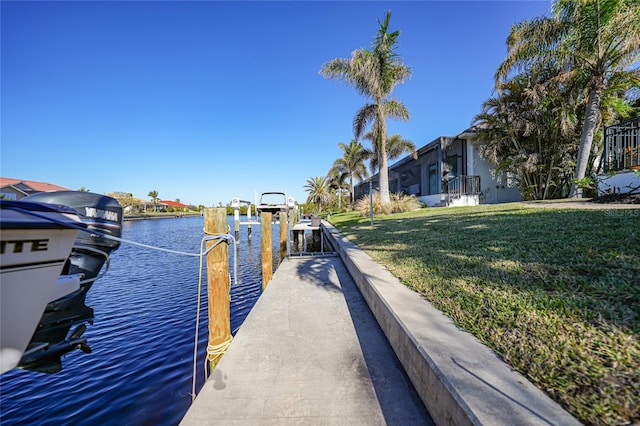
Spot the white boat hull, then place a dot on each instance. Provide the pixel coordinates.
(31, 263)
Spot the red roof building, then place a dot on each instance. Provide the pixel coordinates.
(15, 189)
(175, 204)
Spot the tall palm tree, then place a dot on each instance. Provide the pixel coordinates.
(154, 199)
(597, 40)
(352, 165)
(375, 73)
(318, 190)
(396, 147)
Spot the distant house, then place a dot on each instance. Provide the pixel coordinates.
(163, 206)
(158, 206)
(136, 205)
(175, 205)
(16, 189)
(447, 172)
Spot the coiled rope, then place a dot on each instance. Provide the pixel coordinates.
(213, 351)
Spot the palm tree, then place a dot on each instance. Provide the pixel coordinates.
(154, 199)
(336, 182)
(396, 146)
(318, 189)
(530, 135)
(352, 165)
(374, 73)
(594, 40)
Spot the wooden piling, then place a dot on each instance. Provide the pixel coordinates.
(215, 222)
(293, 217)
(293, 220)
(283, 235)
(267, 255)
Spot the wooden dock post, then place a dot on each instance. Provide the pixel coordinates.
(293, 217)
(215, 222)
(293, 220)
(267, 255)
(283, 235)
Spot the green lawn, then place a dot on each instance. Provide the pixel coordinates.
(555, 292)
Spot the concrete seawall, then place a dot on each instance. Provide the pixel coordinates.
(460, 380)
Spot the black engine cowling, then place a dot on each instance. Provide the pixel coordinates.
(100, 212)
(102, 215)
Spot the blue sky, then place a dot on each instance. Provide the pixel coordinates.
(204, 101)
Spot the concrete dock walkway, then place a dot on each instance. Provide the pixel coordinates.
(317, 349)
(310, 352)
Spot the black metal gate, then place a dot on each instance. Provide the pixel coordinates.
(622, 146)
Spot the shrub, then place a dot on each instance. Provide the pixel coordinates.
(399, 203)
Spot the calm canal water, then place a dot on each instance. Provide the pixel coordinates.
(140, 370)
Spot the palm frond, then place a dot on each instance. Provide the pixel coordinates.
(364, 116)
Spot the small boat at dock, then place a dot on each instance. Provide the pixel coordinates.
(64, 315)
(36, 240)
(272, 202)
(65, 319)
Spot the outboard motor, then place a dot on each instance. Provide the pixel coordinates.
(53, 338)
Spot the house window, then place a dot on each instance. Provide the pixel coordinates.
(410, 179)
(8, 196)
(452, 166)
(434, 182)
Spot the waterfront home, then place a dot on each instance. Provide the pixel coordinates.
(448, 171)
(177, 207)
(16, 189)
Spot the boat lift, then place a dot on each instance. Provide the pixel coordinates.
(274, 203)
(235, 203)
